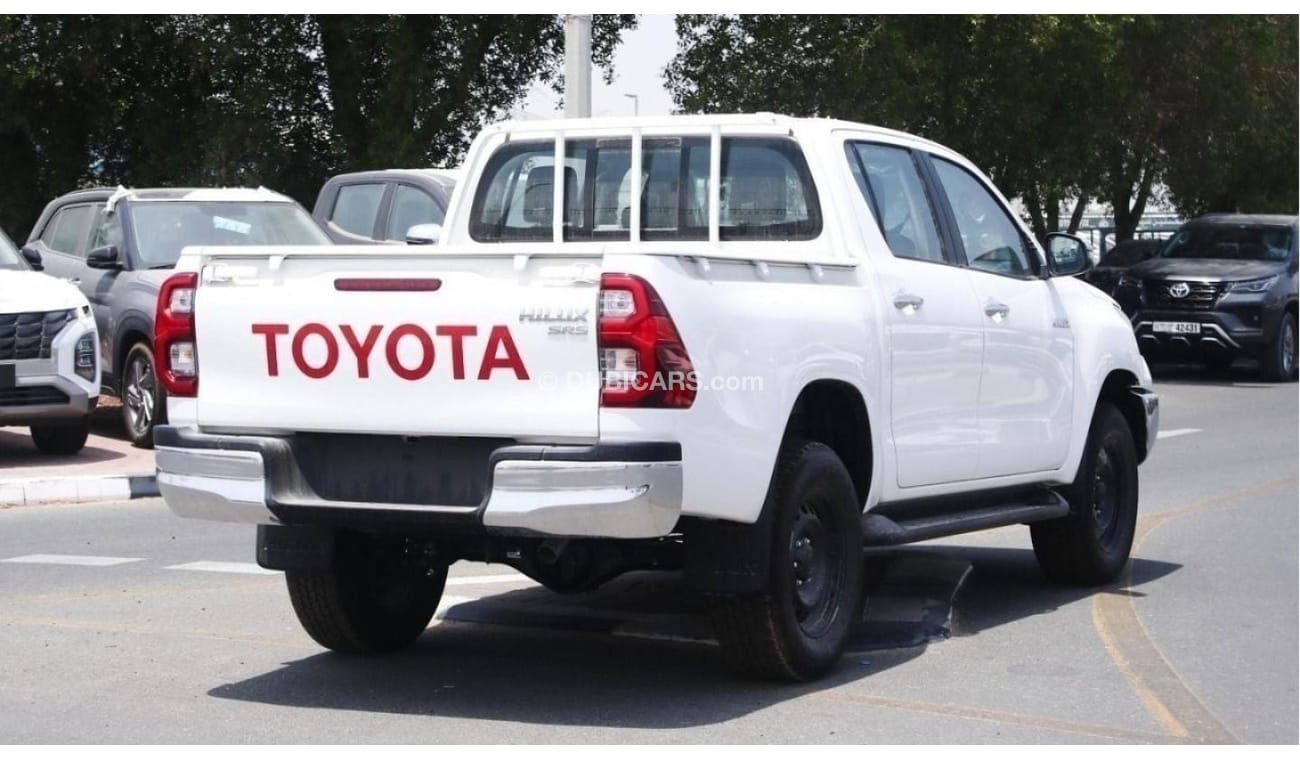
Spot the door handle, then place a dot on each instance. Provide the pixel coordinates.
(75, 281)
(996, 310)
(906, 301)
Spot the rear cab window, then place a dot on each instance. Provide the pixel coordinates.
(765, 192)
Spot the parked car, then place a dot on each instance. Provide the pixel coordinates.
(117, 247)
(384, 206)
(1223, 287)
(747, 352)
(1105, 276)
(49, 377)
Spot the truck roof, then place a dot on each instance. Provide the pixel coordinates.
(697, 121)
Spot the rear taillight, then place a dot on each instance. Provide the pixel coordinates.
(643, 362)
(173, 336)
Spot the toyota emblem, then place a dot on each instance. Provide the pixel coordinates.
(1179, 290)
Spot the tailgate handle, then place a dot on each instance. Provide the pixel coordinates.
(387, 284)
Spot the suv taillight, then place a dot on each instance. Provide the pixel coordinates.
(173, 336)
(643, 362)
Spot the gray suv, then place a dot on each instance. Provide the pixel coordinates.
(119, 245)
(383, 206)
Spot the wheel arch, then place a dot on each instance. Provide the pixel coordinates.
(834, 412)
(1117, 390)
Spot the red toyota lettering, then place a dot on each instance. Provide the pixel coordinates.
(270, 331)
(457, 333)
(362, 349)
(499, 340)
(426, 345)
(331, 350)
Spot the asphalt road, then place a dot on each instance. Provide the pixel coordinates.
(121, 623)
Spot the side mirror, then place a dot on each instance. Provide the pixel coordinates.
(33, 257)
(104, 257)
(424, 234)
(1067, 255)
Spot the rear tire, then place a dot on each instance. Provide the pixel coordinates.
(1091, 545)
(61, 438)
(371, 601)
(796, 628)
(144, 402)
(1279, 362)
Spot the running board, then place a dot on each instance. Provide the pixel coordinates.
(888, 527)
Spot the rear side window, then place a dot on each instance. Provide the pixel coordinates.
(67, 229)
(356, 207)
(891, 184)
(766, 191)
(411, 206)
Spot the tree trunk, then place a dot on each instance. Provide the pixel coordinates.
(1076, 216)
(1035, 206)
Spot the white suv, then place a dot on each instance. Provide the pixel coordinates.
(49, 374)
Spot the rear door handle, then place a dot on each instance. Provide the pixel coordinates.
(906, 301)
(996, 310)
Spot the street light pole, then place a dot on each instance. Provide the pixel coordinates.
(636, 103)
(577, 66)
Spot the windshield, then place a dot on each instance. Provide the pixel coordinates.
(1252, 242)
(163, 228)
(9, 256)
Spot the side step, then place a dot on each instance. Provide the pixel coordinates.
(890, 525)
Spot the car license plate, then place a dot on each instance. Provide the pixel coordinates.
(1193, 328)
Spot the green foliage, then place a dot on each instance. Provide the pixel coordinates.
(1051, 107)
(280, 101)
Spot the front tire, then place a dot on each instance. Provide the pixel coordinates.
(1279, 362)
(796, 628)
(62, 438)
(144, 403)
(371, 601)
(1091, 545)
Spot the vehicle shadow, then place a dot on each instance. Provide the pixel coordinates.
(1242, 374)
(545, 675)
(17, 450)
(1005, 585)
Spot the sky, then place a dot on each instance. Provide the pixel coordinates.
(639, 64)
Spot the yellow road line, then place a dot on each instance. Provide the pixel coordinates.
(1162, 690)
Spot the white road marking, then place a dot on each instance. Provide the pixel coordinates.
(247, 568)
(1163, 434)
(71, 559)
(475, 580)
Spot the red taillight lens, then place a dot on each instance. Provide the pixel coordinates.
(174, 351)
(643, 362)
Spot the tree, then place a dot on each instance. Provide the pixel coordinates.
(1051, 107)
(280, 101)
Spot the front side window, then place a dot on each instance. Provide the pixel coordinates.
(888, 179)
(356, 207)
(67, 229)
(411, 206)
(108, 230)
(766, 191)
(991, 240)
(163, 228)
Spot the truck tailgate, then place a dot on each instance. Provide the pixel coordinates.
(438, 344)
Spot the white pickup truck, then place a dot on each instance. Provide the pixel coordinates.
(787, 339)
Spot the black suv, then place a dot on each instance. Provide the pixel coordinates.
(1224, 286)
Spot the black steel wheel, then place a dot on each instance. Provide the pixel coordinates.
(796, 628)
(1091, 544)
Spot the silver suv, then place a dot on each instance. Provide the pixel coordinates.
(49, 378)
(118, 246)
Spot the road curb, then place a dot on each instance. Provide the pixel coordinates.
(18, 492)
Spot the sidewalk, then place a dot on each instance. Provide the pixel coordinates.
(107, 468)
